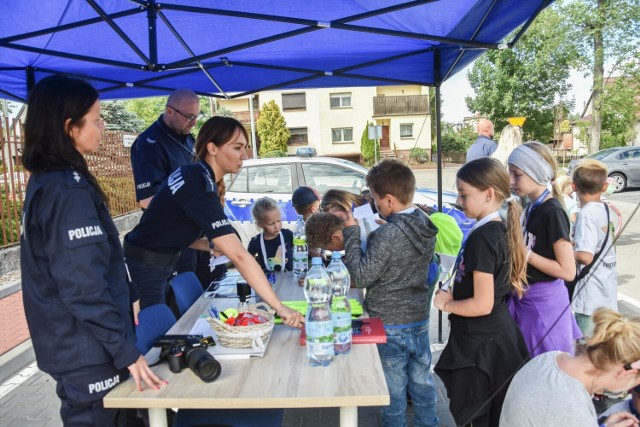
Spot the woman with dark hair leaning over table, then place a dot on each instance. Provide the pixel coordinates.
(191, 201)
(75, 293)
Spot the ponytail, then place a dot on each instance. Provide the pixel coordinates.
(515, 241)
(615, 339)
(222, 191)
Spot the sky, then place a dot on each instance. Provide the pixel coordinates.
(457, 87)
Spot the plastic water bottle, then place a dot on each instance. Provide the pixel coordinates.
(300, 250)
(318, 326)
(340, 307)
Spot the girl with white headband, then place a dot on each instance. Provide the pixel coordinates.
(542, 313)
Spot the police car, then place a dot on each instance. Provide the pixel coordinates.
(279, 177)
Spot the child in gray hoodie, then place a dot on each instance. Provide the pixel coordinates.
(393, 270)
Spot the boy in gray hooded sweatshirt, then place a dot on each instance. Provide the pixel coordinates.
(394, 270)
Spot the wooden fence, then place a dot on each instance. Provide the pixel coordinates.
(111, 164)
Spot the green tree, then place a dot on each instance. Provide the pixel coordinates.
(604, 32)
(149, 109)
(118, 117)
(456, 140)
(368, 147)
(272, 130)
(618, 110)
(527, 80)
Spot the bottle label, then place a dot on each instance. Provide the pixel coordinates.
(299, 241)
(319, 337)
(300, 260)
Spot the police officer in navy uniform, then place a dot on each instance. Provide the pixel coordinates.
(165, 146)
(188, 203)
(76, 297)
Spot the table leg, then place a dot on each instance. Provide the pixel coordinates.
(157, 417)
(348, 416)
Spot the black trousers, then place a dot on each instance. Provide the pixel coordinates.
(81, 396)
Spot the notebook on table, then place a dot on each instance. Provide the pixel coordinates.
(368, 330)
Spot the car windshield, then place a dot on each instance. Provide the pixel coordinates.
(599, 155)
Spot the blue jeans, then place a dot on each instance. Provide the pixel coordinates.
(152, 281)
(406, 362)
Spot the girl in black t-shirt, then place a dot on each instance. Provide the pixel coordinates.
(542, 314)
(274, 246)
(485, 346)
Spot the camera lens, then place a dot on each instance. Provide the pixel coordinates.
(203, 364)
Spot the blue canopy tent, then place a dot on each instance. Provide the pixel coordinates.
(231, 48)
(137, 48)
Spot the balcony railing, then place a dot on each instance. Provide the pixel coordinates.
(400, 105)
(244, 117)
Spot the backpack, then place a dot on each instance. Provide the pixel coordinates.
(448, 240)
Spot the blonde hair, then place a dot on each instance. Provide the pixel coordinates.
(487, 173)
(510, 138)
(548, 157)
(340, 200)
(261, 207)
(590, 176)
(615, 339)
(564, 183)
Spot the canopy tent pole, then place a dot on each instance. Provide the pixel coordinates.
(152, 18)
(436, 63)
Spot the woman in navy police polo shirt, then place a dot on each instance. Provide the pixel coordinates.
(187, 203)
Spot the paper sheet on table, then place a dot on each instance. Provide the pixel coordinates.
(367, 222)
(215, 261)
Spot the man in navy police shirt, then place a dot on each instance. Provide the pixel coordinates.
(166, 145)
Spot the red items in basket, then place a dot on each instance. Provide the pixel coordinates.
(246, 319)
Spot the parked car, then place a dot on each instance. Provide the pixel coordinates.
(279, 177)
(623, 164)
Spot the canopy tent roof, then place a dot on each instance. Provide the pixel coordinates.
(230, 48)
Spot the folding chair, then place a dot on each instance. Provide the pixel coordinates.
(153, 322)
(186, 290)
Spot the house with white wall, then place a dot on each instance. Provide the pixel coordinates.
(332, 120)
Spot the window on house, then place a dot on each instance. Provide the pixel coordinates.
(294, 101)
(298, 136)
(341, 135)
(340, 100)
(406, 130)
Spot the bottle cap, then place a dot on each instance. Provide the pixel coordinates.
(336, 255)
(316, 260)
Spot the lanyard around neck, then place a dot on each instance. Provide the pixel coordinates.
(187, 145)
(264, 251)
(527, 213)
(478, 224)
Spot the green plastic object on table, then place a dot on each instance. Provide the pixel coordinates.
(301, 306)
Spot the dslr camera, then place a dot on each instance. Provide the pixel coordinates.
(182, 351)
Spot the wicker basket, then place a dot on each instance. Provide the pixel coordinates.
(252, 336)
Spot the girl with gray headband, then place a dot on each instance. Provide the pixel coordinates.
(541, 314)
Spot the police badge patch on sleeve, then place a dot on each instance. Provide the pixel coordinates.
(82, 233)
